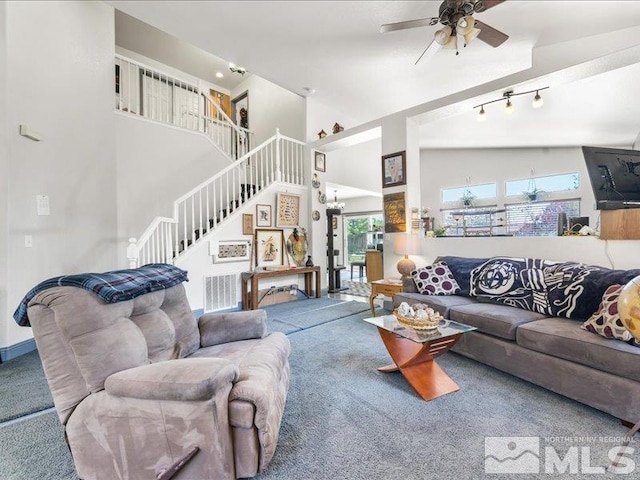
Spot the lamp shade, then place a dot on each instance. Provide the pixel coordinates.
(407, 245)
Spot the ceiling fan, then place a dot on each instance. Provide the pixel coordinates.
(457, 18)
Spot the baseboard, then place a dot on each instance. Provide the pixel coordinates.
(13, 351)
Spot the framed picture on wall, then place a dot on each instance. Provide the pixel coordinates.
(395, 219)
(269, 247)
(247, 224)
(232, 251)
(263, 215)
(394, 169)
(287, 210)
(320, 161)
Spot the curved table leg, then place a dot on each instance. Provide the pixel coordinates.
(416, 363)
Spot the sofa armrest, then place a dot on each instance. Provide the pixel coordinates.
(187, 379)
(408, 285)
(218, 328)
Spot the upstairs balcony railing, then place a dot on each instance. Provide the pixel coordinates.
(147, 92)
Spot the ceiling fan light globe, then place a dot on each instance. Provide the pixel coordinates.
(473, 33)
(465, 25)
(442, 36)
(537, 101)
(452, 42)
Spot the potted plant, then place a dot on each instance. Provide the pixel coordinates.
(533, 194)
(467, 198)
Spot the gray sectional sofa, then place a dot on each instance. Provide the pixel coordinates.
(527, 341)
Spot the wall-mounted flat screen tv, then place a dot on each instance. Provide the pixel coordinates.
(615, 177)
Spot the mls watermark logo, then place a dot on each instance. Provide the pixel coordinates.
(512, 454)
(522, 455)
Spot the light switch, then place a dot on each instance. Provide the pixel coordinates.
(28, 241)
(42, 202)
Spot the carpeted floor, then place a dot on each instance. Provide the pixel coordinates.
(346, 420)
(23, 387)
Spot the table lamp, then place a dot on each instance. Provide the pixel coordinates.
(406, 245)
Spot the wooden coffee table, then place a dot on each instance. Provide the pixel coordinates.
(413, 353)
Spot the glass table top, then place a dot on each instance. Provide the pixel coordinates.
(447, 328)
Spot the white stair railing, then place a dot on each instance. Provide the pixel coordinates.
(147, 92)
(206, 207)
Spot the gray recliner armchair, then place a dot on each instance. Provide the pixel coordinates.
(138, 384)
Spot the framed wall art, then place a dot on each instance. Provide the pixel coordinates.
(231, 251)
(287, 210)
(247, 224)
(263, 215)
(320, 162)
(394, 169)
(395, 219)
(269, 247)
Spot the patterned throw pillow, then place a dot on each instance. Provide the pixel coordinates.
(606, 320)
(435, 279)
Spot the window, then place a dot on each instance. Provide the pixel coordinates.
(551, 183)
(487, 190)
(539, 219)
(468, 221)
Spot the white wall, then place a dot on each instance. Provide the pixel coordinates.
(271, 107)
(449, 169)
(156, 164)
(4, 180)
(357, 166)
(59, 81)
(322, 117)
(619, 254)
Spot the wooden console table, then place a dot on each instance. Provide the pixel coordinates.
(250, 299)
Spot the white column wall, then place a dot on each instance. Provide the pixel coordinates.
(398, 134)
(59, 82)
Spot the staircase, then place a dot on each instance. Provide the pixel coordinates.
(211, 204)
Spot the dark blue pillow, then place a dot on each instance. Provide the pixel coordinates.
(461, 269)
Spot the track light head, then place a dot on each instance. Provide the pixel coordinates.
(482, 115)
(537, 100)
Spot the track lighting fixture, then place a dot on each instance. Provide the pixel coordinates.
(509, 107)
(236, 69)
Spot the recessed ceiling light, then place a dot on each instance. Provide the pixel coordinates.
(219, 74)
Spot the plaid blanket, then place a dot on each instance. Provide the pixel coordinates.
(116, 286)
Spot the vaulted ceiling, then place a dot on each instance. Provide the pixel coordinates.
(336, 49)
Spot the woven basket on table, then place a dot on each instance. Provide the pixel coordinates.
(424, 324)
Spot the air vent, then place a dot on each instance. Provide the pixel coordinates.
(220, 292)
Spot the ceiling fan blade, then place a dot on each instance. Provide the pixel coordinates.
(490, 35)
(482, 5)
(429, 52)
(420, 22)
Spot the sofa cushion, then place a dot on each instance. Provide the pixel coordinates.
(565, 339)
(606, 320)
(435, 279)
(440, 303)
(498, 320)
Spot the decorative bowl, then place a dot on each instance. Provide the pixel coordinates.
(429, 323)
